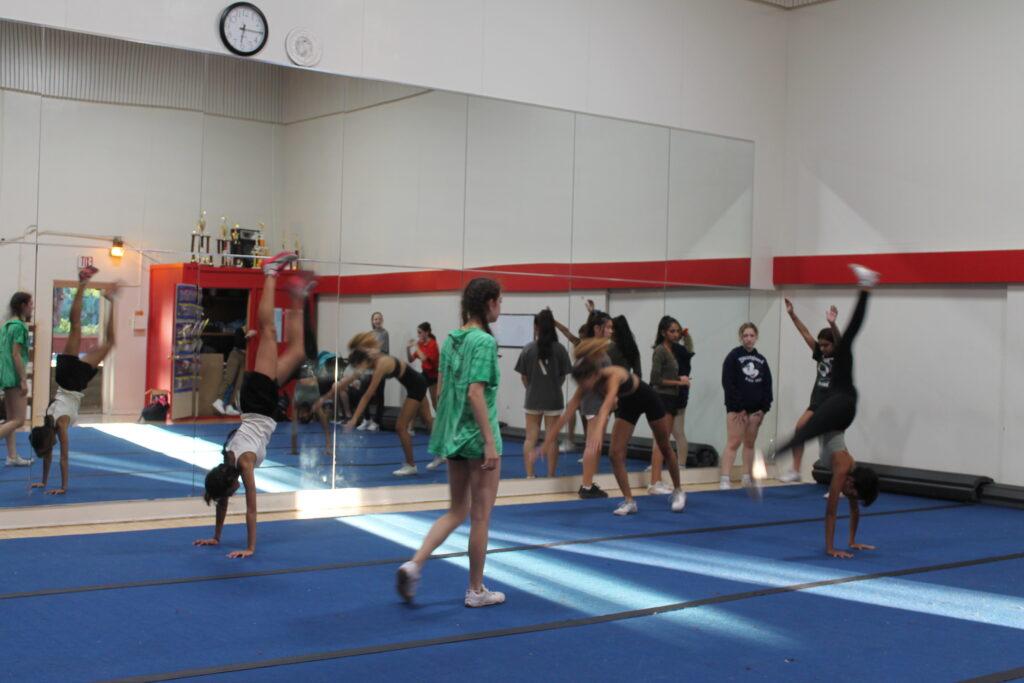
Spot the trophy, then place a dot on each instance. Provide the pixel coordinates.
(224, 242)
(200, 240)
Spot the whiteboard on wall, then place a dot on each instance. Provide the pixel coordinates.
(513, 330)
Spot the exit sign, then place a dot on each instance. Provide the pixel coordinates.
(84, 262)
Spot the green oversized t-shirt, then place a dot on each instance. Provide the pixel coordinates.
(13, 331)
(468, 357)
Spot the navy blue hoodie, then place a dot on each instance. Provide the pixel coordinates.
(747, 381)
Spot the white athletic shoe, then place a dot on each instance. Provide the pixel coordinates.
(231, 410)
(625, 508)
(746, 481)
(363, 426)
(724, 483)
(483, 598)
(647, 469)
(412, 431)
(18, 461)
(865, 276)
(565, 446)
(372, 426)
(406, 471)
(435, 463)
(659, 488)
(408, 578)
(678, 500)
(841, 495)
(218, 405)
(789, 477)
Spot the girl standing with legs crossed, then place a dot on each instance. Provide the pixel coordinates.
(246, 448)
(467, 435)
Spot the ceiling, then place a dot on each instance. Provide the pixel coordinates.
(791, 4)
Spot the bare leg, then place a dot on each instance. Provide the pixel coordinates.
(798, 451)
(405, 416)
(735, 426)
(483, 485)
(15, 402)
(749, 438)
(549, 424)
(620, 440)
(590, 463)
(426, 415)
(679, 432)
(96, 356)
(656, 462)
(661, 431)
(530, 442)
(74, 340)
(458, 508)
(433, 395)
(295, 352)
(62, 434)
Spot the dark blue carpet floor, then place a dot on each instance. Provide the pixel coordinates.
(714, 586)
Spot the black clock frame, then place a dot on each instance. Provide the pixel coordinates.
(224, 38)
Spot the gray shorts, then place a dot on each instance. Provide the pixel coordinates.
(831, 442)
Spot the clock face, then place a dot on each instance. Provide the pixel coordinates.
(243, 28)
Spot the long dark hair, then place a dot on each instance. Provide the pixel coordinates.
(624, 339)
(426, 328)
(595, 319)
(18, 302)
(546, 338)
(588, 354)
(666, 322)
(475, 296)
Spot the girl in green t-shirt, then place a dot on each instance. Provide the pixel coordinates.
(466, 434)
(13, 373)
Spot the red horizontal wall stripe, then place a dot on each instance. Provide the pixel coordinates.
(551, 277)
(944, 267)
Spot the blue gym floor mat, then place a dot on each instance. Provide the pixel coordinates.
(593, 565)
(105, 467)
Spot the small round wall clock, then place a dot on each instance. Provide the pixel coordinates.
(243, 28)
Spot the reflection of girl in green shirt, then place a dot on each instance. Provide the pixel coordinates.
(13, 373)
(466, 434)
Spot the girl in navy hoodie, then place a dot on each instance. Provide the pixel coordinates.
(747, 382)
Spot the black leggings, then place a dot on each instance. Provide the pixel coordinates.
(836, 412)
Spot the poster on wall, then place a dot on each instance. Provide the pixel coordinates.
(513, 330)
(188, 324)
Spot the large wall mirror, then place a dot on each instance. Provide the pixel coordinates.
(394, 197)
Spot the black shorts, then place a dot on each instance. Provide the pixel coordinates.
(73, 373)
(643, 401)
(672, 402)
(430, 380)
(415, 385)
(259, 394)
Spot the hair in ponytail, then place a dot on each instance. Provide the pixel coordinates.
(475, 297)
(546, 337)
(425, 327)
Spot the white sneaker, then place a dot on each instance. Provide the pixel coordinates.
(580, 459)
(372, 426)
(435, 463)
(412, 431)
(231, 410)
(659, 488)
(273, 265)
(625, 508)
(405, 471)
(218, 405)
(483, 598)
(746, 481)
(408, 578)
(362, 426)
(724, 483)
(789, 477)
(678, 500)
(841, 494)
(565, 446)
(647, 469)
(865, 276)
(18, 461)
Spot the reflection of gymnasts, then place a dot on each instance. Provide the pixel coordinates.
(246, 448)
(833, 416)
(73, 376)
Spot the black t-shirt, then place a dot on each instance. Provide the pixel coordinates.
(824, 378)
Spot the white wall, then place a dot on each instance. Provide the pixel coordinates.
(716, 66)
(904, 136)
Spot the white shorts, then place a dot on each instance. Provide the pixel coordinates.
(830, 443)
(545, 413)
(66, 404)
(252, 436)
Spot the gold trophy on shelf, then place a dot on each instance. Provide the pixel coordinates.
(224, 242)
(200, 241)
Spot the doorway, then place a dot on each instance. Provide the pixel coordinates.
(94, 311)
